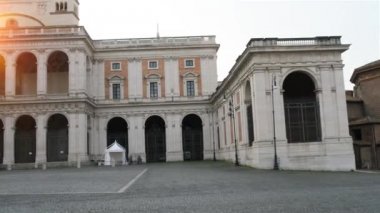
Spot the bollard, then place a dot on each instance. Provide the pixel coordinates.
(9, 167)
(44, 166)
(78, 164)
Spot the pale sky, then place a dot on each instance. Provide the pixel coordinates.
(234, 22)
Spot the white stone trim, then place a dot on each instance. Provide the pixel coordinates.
(115, 62)
(188, 59)
(116, 80)
(190, 77)
(153, 68)
(150, 79)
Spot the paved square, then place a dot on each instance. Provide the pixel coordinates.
(187, 187)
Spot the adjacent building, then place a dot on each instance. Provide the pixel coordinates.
(363, 105)
(65, 97)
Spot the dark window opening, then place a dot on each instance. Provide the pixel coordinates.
(192, 138)
(153, 87)
(116, 92)
(356, 134)
(155, 139)
(190, 88)
(301, 109)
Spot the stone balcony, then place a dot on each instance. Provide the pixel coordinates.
(41, 32)
(149, 42)
(314, 41)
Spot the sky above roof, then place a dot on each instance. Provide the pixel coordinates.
(234, 22)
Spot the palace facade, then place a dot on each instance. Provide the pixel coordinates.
(65, 97)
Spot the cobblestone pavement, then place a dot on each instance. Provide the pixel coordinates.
(187, 187)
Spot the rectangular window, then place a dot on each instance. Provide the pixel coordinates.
(190, 88)
(356, 134)
(116, 66)
(153, 88)
(116, 92)
(189, 63)
(153, 64)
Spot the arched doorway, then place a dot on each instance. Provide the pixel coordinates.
(1, 141)
(192, 138)
(248, 108)
(25, 140)
(117, 130)
(155, 139)
(26, 74)
(2, 76)
(57, 138)
(58, 73)
(301, 109)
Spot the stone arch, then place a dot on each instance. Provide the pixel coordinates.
(249, 112)
(57, 138)
(25, 139)
(117, 130)
(311, 74)
(301, 108)
(58, 73)
(2, 75)
(23, 16)
(155, 139)
(26, 74)
(192, 137)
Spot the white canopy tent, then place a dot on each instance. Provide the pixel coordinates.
(115, 153)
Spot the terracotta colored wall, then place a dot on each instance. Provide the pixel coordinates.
(160, 71)
(195, 70)
(123, 73)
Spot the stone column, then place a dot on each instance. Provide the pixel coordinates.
(41, 132)
(41, 73)
(172, 77)
(10, 75)
(279, 109)
(72, 72)
(340, 96)
(102, 134)
(9, 131)
(135, 79)
(328, 103)
(81, 71)
(77, 138)
(139, 137)
(100, 78)
(208, 74)
(262, 107)
(207, 136)
(174, 151)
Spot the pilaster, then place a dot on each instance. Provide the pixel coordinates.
(10, 75)
(172, 77)
(174, 151)
(41, 139)
(9, 131)
(41, 73)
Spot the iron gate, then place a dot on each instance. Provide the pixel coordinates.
(192, 143)
(25, 146)
(302, 122)
(155, 145)
(57, 145)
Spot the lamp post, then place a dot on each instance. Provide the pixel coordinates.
(275, 163)
(232, 115)
(213, 135)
